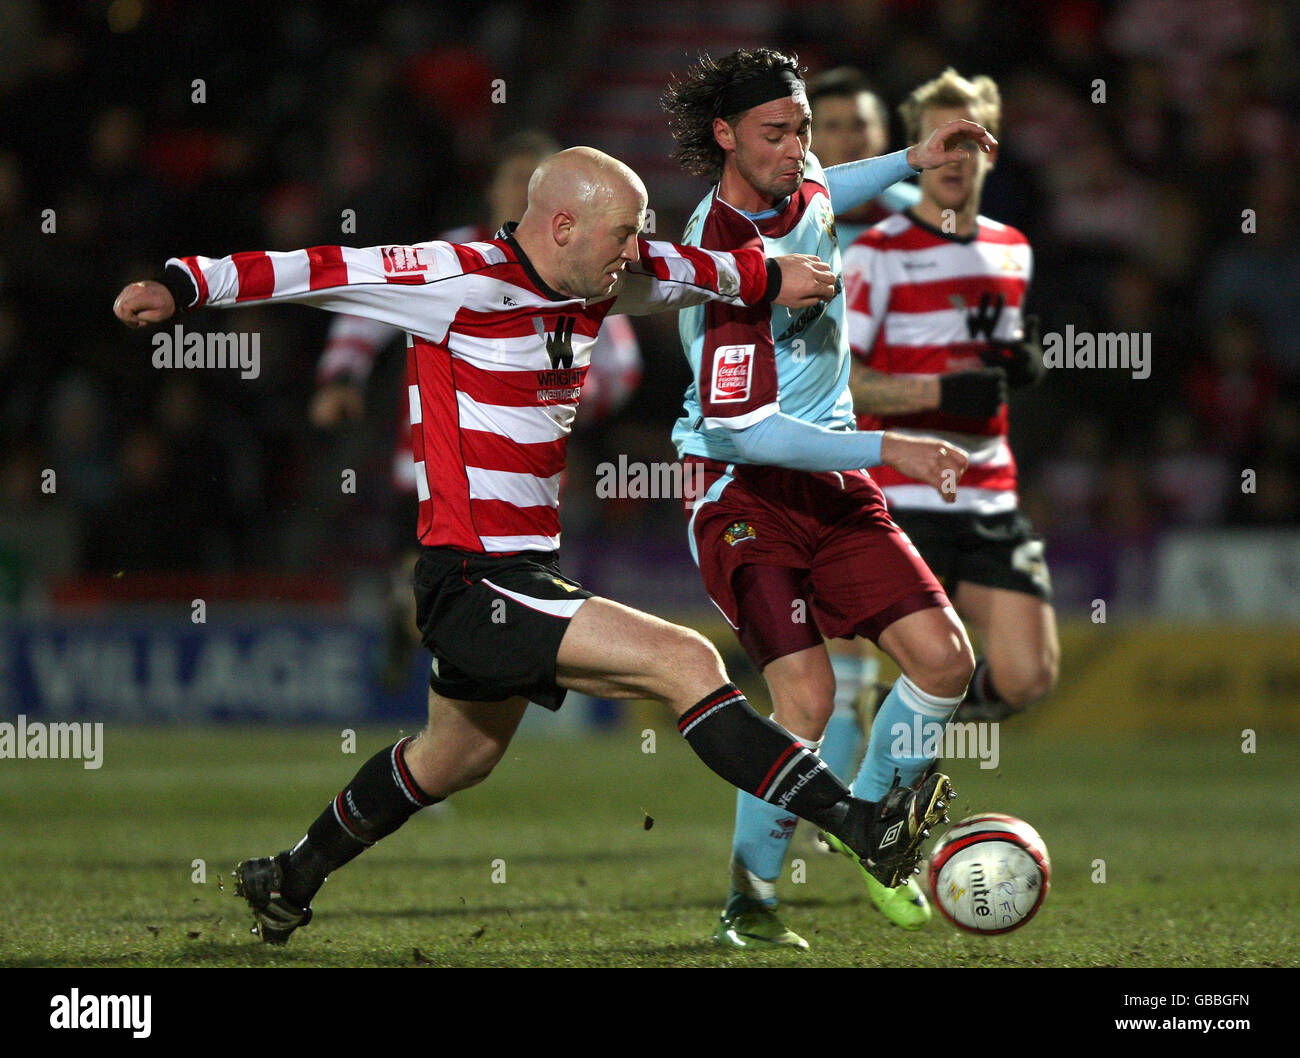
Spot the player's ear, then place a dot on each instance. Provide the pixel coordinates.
(562, 225)
(724, 135)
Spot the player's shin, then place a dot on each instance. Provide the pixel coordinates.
(905, 739)
(380, 798)
(758, 851)
(759, 757)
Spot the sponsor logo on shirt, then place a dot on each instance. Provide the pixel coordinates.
(733, 368)
(402, 260)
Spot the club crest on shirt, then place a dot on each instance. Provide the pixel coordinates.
(738, 531)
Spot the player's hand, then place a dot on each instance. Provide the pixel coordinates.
(948, 143)
(141, 304)
(926, 459)
(335, 402)
(1022, 360)
(977, 394)
(805, 280)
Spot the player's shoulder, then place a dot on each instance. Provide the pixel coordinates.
(995, 231)
(717, 225)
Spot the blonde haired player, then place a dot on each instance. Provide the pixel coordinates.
(936, 325)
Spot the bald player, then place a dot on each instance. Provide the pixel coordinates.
(501, 334)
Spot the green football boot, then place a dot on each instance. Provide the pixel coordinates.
(905, 906)
(756, 927)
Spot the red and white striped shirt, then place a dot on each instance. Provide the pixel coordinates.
(495, 363)
(354, 343)
(913, 294)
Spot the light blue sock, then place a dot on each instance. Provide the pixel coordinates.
(842, 743)
(758, 848)
(909, 724)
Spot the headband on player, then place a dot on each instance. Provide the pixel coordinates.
(772, 84)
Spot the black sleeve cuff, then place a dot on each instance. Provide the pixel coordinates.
(180, 284)
(773, 281)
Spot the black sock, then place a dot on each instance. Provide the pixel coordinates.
(379, 799)
(758, 756)
(981, 690)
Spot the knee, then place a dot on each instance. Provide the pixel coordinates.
(804, 716)
(946, 668)
(1028, 682)
(689, 665)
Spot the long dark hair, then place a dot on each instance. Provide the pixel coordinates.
(694, 100)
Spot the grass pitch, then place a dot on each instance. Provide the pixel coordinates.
(550, 863)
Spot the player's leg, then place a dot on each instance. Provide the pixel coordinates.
(458, 747)
(869, 581)
(1021, 650)
(613, 651)
(934, 655)
(775, 625)
(801, 685)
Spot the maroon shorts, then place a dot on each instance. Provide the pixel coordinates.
(791, 558)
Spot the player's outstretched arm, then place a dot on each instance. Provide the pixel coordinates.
(669, 276)
(854, 183)
(927, 459)
(413, 288)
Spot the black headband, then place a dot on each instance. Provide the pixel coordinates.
(772, 84)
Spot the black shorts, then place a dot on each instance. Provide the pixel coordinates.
(995, 550)
(494, 623)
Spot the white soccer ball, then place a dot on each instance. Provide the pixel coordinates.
(990, 873)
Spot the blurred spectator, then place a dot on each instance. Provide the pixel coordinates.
(372, 123)
(1232, 389)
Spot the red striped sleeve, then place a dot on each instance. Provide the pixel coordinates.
(326, 267)
(200, 281)
(470, 259)
(706, 271)
(256, 275)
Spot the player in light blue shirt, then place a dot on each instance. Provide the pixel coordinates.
(791, 535)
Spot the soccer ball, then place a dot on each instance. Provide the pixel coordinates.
(990, 873)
